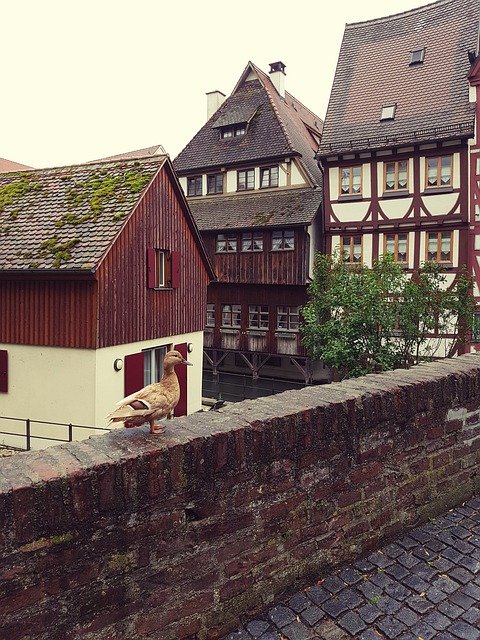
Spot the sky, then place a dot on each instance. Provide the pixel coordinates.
(85, 80)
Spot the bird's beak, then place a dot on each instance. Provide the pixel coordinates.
(187, 362)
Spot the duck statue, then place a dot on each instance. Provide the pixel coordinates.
(153, 402)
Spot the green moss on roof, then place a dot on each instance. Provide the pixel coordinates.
(59, 250)
(98, 190)
(16, 189)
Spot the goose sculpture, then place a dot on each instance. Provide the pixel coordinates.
(153, 402)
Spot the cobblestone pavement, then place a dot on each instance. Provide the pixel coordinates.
(424, 585)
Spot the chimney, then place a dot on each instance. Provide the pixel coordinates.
(277, 76)
(214, 100)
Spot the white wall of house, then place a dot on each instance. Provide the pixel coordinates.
(286, 169)
(109, 387)
(78, 386)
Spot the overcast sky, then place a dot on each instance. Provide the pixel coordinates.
(89, 79)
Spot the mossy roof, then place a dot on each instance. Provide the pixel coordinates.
(67, 217)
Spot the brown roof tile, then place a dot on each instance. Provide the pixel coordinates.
(67, 217)
(256, 209)
(374, 70)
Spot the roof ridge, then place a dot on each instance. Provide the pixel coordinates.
(394, 16)
(93, 163)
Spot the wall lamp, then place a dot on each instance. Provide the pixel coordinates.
(118, 364)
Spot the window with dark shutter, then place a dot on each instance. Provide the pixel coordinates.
(3, 371)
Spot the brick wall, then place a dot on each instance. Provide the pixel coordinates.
(133, 536)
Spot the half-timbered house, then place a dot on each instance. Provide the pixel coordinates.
(474, 168)
(102, 270)
(254, 188)
(395, 143)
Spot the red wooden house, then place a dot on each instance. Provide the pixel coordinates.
(101, 271)
(254, 188)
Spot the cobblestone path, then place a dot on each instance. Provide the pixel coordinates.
(424, 585)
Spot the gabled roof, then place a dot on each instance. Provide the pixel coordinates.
(6, 166)
(374, 71)
(66, 218)
(279, 127)
(257, 209)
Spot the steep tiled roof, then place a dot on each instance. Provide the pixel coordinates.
(256, 209)
(66, 218)
(374, 70)
(6, 166)
(279, 127)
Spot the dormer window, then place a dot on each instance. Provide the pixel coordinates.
(417, 56)
(269, 177)
(233, 131)
(388, 112)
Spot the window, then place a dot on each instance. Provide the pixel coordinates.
(439, 246)
(417, 56)
(160, 275)
(351, 249)
(194, 186)
(231, 315)
(351, 181)
(163, 269)
(252, 241)
(288, 318)
(388, 112)
(215, 183)
(396, 175)
(268, 177)
(153, 365)
(245, 179)
(397, 245)
(439, 171)
(233, 131)
(210, 315)
(283, 240)
(226, 243)
(257, 317)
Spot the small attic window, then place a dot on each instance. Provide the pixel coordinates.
(388, 112)
(417, 56)
(233, 131)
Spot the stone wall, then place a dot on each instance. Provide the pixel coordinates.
(134, 536)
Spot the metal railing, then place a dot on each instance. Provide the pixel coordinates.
(28, 436)
(237, 387)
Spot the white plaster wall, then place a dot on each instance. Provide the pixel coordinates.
(110, 383)
(350, 211)
(440, 203)
(296, 176)
(50, 384)
(183, 184)
(231, 181)
(367, 249)
(396, 207)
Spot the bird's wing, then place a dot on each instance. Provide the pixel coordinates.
(142, 394)
(127, 412)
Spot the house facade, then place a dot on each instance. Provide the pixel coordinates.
(397, 139)
(254, 188)
(102, 270)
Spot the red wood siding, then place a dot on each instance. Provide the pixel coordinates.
(262, 267)
(246, 295)
(48, 313)
(128, 310)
